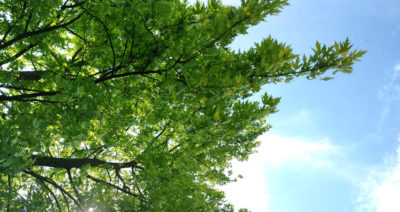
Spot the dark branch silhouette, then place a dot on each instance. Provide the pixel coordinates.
(48, 180)
(24, 97)
(112, 185)
(37, 32)
(69, 163)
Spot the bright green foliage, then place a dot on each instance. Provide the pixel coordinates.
(129, 105)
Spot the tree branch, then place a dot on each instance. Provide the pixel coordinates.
(18, 88)
(37, 32)
(128, 74)
(52, 194)
(315, 68)
(71, 6)
(31, 75)
(102, 79)
(9, 192)
(26, 96)
(48, 180)
(10, 28)
(112, 185)
(17, 55)
(211, 44)
(69, 163)
(72, 184)
(107, 31)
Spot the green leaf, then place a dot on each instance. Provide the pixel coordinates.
(327, 78)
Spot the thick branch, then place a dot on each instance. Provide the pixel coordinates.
(18, 88)
(30, 75)
(26, 75)
(26, 96)
(69, 163)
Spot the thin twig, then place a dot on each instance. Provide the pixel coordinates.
(112, 185)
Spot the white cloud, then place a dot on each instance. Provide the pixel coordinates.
(249, 192)
(397, 66)
(389, 94)
(381, 189)
(303, 118)
(275, 151)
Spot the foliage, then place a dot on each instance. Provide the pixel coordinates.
(122, 105)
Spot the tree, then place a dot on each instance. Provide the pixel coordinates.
(120, 105)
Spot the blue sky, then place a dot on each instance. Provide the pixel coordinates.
(334, 146)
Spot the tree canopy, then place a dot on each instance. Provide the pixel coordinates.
(130, 105)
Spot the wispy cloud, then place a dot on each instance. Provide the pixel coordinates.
(302, 120)
(303, 116)
(275, 152)
(380, 191)
(389, 93)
